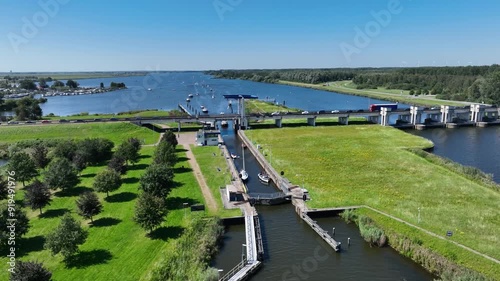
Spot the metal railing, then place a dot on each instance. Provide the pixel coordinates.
(234, 270)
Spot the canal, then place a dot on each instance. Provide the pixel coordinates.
(295, 252)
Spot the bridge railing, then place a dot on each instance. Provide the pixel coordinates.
(234, 270)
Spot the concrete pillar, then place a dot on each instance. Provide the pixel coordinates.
(344, 120)
(311, 121)
(416, 116)
(384, 114)
(477, 112)
(179, 126)
(278, 122)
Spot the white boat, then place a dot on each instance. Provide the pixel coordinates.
(201, 106)
(188, 100)
(243, 175)
(234, 156)
(263, 177)
(205, 110)
(149, 89)
(190, 95)
(223, 123)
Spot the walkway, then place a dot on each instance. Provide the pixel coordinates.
(186, 139)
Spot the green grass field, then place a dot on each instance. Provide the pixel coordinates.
(354, 165)
(117, 248)
(381, 93)
(215, 178)
(116, 132)
(258, 106)
(320, 121)
(146, 113)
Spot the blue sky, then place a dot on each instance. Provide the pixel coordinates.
(106, 35)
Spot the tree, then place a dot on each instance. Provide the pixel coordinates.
(30, 271)
(101, 85)
(412, 92)
(40, 156)
(57, 84)
(170, 137)
(42, 83)
(72, 84)
(61, 174)
(37, 195)
(165, 154)
(128, 151)
(27, 84)
(7, 215)
(149, 211)
(28, 108)
(117, 163)
(65, 149)
(136, 143)
(106, 181)
(79, 162)
(66, 237)
(24, 166)
(157, 180)
(88, 205)
(3, 188)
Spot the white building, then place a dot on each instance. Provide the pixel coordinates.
(208, 137)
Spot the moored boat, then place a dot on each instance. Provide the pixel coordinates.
(263, 177)
(243, 175)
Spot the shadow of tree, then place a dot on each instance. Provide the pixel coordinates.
(87, 258)
(91, 175)
(137, 167)
(107, 221)
(144, 156)
(166, 232)
(30, 244)
(180, 170)
(175, 203)
(53, 213)
(182, 159)
(130, 180)
(121, 197)
(177, 184)
(180, 150)
(72, 191)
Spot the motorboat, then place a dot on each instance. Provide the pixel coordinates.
(149, 89)
(190, 95)
(234, 156)
(223, 123)
(188, 99)
(205, 110)
(263, 177)
(243, 175)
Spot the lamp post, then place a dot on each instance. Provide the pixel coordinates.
(243, 247)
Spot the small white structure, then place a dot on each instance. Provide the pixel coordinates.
(207, 137)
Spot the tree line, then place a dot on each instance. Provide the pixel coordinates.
(464, 83)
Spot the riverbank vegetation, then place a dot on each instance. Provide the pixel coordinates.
(127, 114)
(462, 83)
(370, 165)
(263, 107)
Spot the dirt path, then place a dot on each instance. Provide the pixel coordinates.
(186, 139)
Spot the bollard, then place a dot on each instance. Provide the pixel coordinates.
(333, 231)
(348, 241)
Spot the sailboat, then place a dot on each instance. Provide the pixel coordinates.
(243, 172)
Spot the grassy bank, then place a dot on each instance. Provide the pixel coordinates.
(369, 165)
(258, 106)
(214, 169)
(346, 87)
(320, 121)
(117, 248)
(132, 114)
(116, 132)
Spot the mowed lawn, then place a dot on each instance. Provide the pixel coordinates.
(214, 168)
(116, 248)
(116, 132)
(356, 165)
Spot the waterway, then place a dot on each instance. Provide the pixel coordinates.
(171, 88)
(477, 147)
(295, 252)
